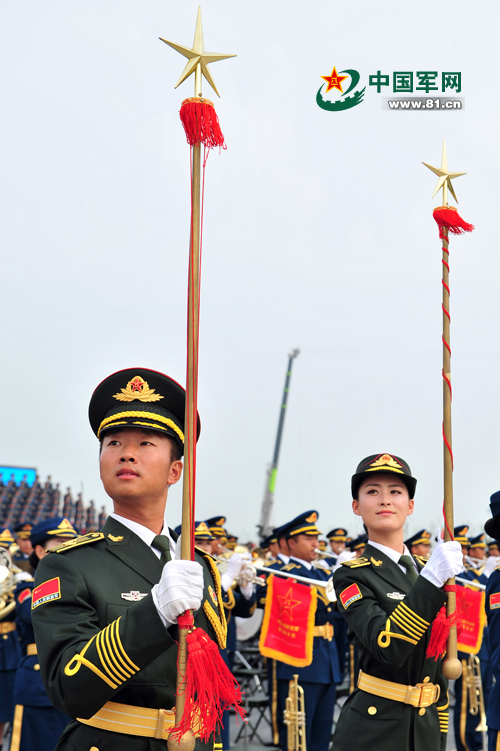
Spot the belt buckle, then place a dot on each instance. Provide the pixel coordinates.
(427, 694)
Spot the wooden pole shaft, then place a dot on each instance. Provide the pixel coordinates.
(187, 742)
(452, 667)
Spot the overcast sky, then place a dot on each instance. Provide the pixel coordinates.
(318, 234)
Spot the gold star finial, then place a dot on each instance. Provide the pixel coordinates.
(198, 59)
(444, 177)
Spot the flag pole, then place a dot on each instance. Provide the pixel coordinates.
(201, 125)
(448, 220)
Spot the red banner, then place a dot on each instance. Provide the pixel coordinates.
(472, 617)
(288, 627)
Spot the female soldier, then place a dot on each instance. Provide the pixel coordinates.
(389, 600)
(37, 724)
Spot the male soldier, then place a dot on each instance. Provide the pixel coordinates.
(419, 543)
(357, 546)
(21, 557)
(477, 549)
(105, 605)
(337, 538)
(493, 549)
(271, 543)
(319, 679)
(389, 600)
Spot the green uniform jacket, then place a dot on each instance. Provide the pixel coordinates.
(392, 632)
(96, 646)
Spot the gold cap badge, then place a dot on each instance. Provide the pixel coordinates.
(137, 389)
(387, 461)
(313, 518)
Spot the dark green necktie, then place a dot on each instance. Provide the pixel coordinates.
(162, 543)
(407, 562)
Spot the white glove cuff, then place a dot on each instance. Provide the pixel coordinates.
(164, 620)
(431, 577)
(226, 581)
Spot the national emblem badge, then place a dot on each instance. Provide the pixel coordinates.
(137, 389)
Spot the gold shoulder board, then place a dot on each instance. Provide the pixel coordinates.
(77, 541)
(289, 567)
(356, 562)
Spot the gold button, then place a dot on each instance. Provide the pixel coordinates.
(94, 748)
(36, 666)
(328, 610)
(426, 679)
(372, 710)
(5, 636)
(421, 711)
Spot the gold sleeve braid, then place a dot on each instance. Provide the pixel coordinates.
(217, 620)
(407, 621)
(116, 663)
(443, 721)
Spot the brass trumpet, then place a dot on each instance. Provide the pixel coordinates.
(8, 583)
(475, 688)
(294, 717)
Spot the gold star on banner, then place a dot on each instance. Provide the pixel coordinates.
(198, 59)
(334, 81)
(287, 604)
(444, 177)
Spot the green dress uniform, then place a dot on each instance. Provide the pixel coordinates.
(389, 620)
(104, 652)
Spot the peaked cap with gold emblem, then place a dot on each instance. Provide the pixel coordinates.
(139, 398)
(216, 526)
(6, 537)
(460, 535)
(383, 463)
(303, 524)
(423, 537)
(23, 530)
(56, 526)
(338, 534)
(478, 542)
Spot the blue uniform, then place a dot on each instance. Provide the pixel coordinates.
(319, 679)
(493, 615)
(10, 654)
(473, 739)
(38, 724)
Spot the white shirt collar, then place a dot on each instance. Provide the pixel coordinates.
(303, 563)
(283, 557)
(146, 535)
(393, 554)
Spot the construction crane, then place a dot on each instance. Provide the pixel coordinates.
(264, 526)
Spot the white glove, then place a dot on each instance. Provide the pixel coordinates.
(491, 564)
(446, 561)
(179, 589)
(236, 563)
(345, 555)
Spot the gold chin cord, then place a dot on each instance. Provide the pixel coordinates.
(294, 717)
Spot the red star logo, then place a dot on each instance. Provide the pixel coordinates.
(334, 81)
(287, 604)
(136, 384)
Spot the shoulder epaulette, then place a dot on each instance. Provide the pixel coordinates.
(75, 542)
(422, 559)
(268, 563)
(289, 567)
(356, 562)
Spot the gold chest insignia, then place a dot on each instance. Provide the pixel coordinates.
(212, 594)
(137, 389)
(118, 538)
(375, 563)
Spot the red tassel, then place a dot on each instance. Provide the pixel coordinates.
(201, 123)
(441, 626)
(448, 216)
(209, 688)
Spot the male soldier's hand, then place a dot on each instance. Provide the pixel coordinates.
(179, 589)
(236, 563)
(446, 561)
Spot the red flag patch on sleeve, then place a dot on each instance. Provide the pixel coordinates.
(50, 590)
(23, 596)
(495, 601)
(350, 595)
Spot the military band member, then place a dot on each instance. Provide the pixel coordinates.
(105, 605)
(357, 545)
(337, 538)
(389, 600)
(37, 724)
(419, 543)
(271, 543)
(21, 556)
(319, 679)
(10, 652)
(493, 549)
